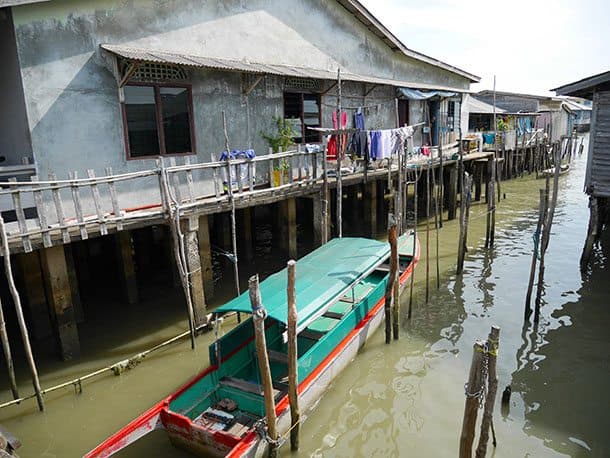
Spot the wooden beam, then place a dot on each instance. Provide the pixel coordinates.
(251, 87)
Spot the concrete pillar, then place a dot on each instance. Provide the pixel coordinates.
(369, 201)
(126, 266)
(286, 227)
(32, 287)
(74, 286)
(190, 229)
(59, 297)
(205, 256)
(244, 234)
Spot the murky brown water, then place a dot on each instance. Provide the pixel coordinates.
(405, 399)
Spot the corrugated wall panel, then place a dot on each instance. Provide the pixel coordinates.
(600, 162)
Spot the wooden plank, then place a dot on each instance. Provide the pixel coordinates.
(42, 215)
(59, 209)
(189, 180)
(116, 209)
(78, 208)
(175, 181)
(23, 229)
(240, 184)
(311, 335)
(277, 356)
(97, 202)
(251, 175)
(215, 173)
(300, 163)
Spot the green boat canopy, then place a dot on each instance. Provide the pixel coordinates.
(320, 277)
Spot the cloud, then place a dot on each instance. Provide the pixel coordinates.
(531, 46)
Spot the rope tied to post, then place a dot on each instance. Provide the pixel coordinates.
(536, 239)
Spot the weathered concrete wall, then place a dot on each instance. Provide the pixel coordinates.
(72, 99)
(14, 132)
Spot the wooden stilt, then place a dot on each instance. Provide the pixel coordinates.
(412, 279)
(390, 300)
(126, 265)
(591, 232)
(293, 378)
(436, 232)
(546, 233)
(32, 285)
(474, 389)
(77, 304)
(339, 157)
(258, 318)
(190, 229)
(493, 342)
(535, 253)
(428, 233)
(452, 193)
(8, 358)
(20, 318)
(245, 233)
(464, 216)
(370, 208)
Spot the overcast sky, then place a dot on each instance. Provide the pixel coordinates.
(530, 45)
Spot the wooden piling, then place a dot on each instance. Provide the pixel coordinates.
(20, 318)
(258, 318)
(339, 157)
(412, 279)
(464, 216)
(535, 253)
(591, 232)
(126, 266)
(370, 208)
(474, 389)
(428, 232)
(436, 227)
(452, 193)
(205, 256)
(190, 229)
(389, 289)
(546, 233)
(293, 378)
(8, 358)
(493, 342)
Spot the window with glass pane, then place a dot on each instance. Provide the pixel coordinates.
(176, 120)
(141, 119)
(158, 120)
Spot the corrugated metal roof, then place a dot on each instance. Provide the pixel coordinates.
(584, 87)
(7, 3)
(189, 60)
(478, 106)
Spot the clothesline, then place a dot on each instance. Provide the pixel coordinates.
(362, 107)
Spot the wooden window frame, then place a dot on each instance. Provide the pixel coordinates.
(159, 119)
(303, 128)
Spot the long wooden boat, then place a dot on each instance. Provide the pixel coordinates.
(340, 299)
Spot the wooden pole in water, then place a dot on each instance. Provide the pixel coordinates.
(20, 318)
(546, 233)
(6, 348)
(464, 216)
(325, 194)
(258, 318)
(493, 342)
(412, 279)
(530, 285)
(474, 390)
(339, 154)
(392, 239)
(428, 231)
(436, 227)
(233, 224)
(395, 286)
(293, 378)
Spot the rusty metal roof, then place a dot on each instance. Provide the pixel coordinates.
(235, 65)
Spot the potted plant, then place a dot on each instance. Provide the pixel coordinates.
(280, 141)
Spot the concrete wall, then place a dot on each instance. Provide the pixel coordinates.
(72, 99)
(14, 132)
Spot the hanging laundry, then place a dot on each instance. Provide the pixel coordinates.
(359, 119)
(375, 144)
(385, 139)
(331, 149)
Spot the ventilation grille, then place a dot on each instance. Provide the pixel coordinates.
(159, 72)
(303, 84)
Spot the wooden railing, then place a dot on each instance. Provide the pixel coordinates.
(73, 208)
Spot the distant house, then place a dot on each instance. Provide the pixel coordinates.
(597, 179)
(555, 115)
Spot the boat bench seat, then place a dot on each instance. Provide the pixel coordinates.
(402, 266)
(279, 388)
(311, 334)
(277, 356)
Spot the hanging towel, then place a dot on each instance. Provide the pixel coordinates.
(331, 149)
(385, 140)
(359, 119)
